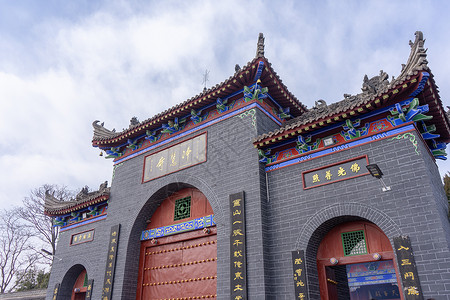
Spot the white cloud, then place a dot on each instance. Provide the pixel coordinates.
(126, 60)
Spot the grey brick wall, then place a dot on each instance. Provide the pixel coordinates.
(232, 166)
(300, 218)
(285, 219)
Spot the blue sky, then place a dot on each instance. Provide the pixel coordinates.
(64, 64)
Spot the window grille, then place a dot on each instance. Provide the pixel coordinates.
(182, 208)
(354, 243)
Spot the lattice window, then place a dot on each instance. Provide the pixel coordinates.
(85, 283)
(182, 208)
(354, 243)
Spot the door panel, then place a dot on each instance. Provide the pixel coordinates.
(180, 269)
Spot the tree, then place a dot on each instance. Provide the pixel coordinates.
(32, 213)
(16, 253)
(33, 279)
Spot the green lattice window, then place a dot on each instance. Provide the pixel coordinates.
(354, 243)
(182, 208)
(85, 283)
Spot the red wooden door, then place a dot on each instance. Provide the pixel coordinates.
(80, 296)
(179, 267)
(79, 289)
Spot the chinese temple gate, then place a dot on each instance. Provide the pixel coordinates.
(242, 192)
(178, 265)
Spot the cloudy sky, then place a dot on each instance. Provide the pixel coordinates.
(64, 64)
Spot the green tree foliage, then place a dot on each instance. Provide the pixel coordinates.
(32, 279)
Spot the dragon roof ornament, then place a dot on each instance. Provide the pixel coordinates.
(417, 58)
(102, 132)
(55, 206)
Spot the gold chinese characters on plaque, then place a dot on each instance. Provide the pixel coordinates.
(174, 158)
(335, 172)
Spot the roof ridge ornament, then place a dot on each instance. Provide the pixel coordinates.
(53, 204)
(375, 84)
(417, 58)
(260, 46)
(100, 131)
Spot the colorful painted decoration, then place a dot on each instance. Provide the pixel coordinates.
(264, 156)
(438, 150)
(133, 145)
(196, 116)
(353, 133)
(280, 161)
(59, 221)
(93, 211)
(411, 111)
(252, 114)
(409, 136)
(173, 126)
(259, 71)
(303, 145)
(151, 136)
(284, 113)
(221, 105)
(75, 217)
(199, 223)
(427, 131)
(256, 92)
(113, 152)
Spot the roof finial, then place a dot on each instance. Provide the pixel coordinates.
(260, 46)
(417, 58)
(205, 79)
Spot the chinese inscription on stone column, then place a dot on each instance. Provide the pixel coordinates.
(111, 262)
(55, 291)
(238, 268)
(299, 269)
(407, 268)
(90, 285)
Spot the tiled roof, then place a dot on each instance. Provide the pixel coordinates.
(243, 76)
(37, 294)
(372, 89)
(54, 206)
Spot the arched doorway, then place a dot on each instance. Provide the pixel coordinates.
(80, 287)
(355, 261)
(181, 265)
(74, 283)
